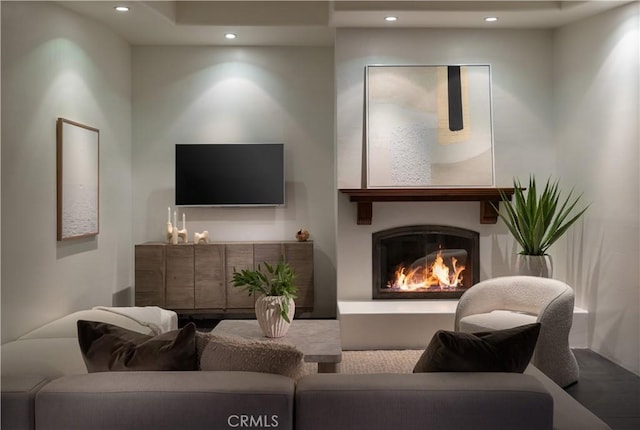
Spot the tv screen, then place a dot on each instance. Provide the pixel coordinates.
(230, 175)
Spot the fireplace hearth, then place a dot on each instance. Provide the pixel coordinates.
(424, 262)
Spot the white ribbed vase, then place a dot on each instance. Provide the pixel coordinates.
(534, 265)
(269, 318)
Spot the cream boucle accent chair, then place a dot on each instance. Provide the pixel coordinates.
(510, 301)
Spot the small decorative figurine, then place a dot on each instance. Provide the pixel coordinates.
(169, 234)
(172, 229)
(302, 235)
(183, 232)
(173, 234)
(201, 237)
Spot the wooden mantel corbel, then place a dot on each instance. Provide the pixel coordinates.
(364, 198)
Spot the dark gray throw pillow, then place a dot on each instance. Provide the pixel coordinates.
(107, 347)
(508, 350)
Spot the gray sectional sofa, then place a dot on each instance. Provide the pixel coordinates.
(227, 400)
(44, 388)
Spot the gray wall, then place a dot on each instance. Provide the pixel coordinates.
(596, 78)
(58, 64)
(239, 95)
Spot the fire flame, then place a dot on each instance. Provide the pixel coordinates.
(438, 274)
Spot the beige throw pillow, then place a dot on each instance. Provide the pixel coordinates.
(240, 354)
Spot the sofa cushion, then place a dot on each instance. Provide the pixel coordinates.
(166, 401)
(106, 347)
(18, 400)
(249, 355)
(478, 401)
(507, 350)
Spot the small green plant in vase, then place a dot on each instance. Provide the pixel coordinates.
(276, 292)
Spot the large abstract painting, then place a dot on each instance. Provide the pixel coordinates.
(429, 126)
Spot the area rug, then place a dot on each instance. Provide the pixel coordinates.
(374, 361)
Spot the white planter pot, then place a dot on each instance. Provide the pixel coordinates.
(534, 265)
(269, 318)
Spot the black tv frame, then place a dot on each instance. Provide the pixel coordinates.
(230, 175)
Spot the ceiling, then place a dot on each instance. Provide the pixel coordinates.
(309, 22)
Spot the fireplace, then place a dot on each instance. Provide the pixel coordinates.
(424, 262)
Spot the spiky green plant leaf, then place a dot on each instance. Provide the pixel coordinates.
(538, 220)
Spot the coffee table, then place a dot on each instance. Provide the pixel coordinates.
(319, 340)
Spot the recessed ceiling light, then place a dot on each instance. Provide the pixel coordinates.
(390, 18)
(230, 36)
(491, 19)
(122, 8)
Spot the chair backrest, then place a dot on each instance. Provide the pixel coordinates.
(528, 294)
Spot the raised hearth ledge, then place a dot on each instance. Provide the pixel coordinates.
(410, 324)
(364, 198)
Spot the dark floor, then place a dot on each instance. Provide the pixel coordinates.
(607, 390)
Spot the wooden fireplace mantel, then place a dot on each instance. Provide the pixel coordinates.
(364, 198)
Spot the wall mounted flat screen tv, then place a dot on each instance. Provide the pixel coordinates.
(230, 174)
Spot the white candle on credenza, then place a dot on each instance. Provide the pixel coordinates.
(184, 220)
(169, 214)
(175, 219)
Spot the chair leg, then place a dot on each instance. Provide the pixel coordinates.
(561, 366)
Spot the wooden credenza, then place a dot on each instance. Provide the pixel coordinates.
(190, 278)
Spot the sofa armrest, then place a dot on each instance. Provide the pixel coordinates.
(568, 413)
(424, 400)
(51, 357)
(166, 400)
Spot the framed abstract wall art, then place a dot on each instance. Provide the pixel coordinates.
(78, 184)
(429, 126)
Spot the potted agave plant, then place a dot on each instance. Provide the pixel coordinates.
(275, 304)
(537, 221)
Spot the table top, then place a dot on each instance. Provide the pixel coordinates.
(319, 340)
